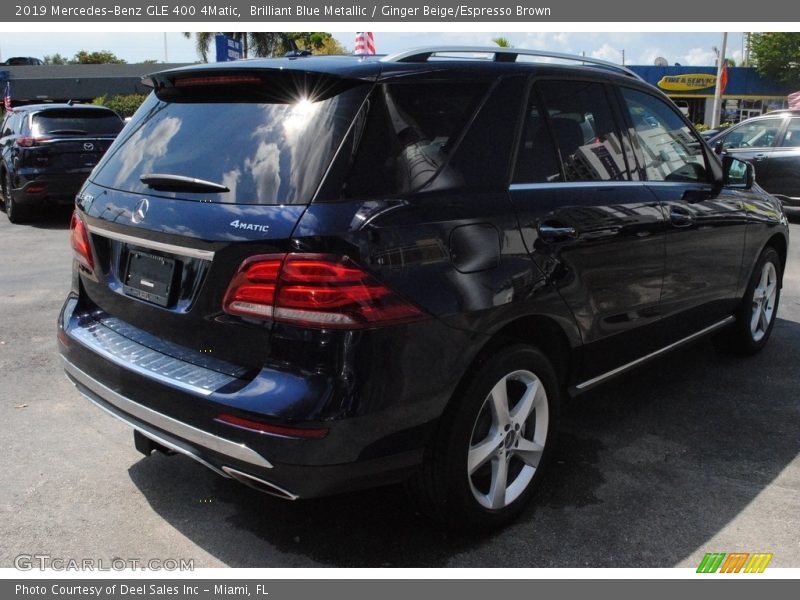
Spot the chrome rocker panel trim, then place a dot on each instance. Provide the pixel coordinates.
(582, 387)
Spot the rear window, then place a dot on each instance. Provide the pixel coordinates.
(76, 122)
(266, 147)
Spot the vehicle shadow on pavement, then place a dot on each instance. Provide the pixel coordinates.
(55, 218)
(647, 470)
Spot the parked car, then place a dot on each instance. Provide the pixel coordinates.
(16, 61)
(47, 152)
(771, 143)
(323, 274)
(709, 134)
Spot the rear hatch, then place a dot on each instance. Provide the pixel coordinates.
(68, 140)
(215, 167)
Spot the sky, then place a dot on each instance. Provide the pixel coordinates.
(687, 48)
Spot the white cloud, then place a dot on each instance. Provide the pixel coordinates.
(607, 52)
(698, 57)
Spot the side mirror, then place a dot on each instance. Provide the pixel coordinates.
(718, 147)
(737, 173)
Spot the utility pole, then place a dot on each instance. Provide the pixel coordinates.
(718, 87)
(623, 57)
(166, 57)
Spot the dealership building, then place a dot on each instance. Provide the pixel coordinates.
(746, 95)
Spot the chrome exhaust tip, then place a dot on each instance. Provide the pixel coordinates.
(259, 484)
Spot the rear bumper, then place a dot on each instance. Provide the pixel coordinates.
(32, 188)
(170, 406)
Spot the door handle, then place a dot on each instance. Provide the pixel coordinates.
(680, 219)
(554, 233)
(759, 157)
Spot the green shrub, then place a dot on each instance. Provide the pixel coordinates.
(124, 105)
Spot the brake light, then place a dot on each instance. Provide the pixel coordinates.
(216, 80)
(79, 240)
(281, 430)
(315, 290)
(28, 141)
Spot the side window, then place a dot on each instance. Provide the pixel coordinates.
(582, 123)
(668, 149)
(537, 160)
(758, 134)
(791, 138)
(408, 135)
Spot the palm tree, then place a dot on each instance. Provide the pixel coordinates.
(266, 43)
(502, 42)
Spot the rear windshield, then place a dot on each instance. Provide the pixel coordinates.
(265, 148)
(76, 122)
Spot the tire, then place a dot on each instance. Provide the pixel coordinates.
(14, 212)
(756, 315)
(460, 484)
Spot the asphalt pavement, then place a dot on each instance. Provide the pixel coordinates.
(697, 452)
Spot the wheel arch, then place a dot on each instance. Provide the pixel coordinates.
(541, 331)
(779, 243)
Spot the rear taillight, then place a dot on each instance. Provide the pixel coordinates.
(314, 290)
(79, 240)
(28, 141)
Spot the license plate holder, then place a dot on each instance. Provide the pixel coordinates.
(149, 277)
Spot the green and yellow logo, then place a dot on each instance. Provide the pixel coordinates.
(734, 562)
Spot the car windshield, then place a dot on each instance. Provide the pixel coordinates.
(263, 150)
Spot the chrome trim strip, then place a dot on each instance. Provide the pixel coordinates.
(146, 431)
(247, 479)
(582, 387)
(560, 185)
(182, 430)
(153, 245)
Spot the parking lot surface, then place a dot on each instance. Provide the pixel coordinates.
(697, 452)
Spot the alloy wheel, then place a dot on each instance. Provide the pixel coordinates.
(764, 296)
(508, 440)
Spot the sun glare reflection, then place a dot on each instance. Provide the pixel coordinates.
(299, 115)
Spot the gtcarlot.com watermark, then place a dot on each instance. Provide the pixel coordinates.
(42, 562)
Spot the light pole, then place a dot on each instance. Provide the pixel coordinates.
(718, 87)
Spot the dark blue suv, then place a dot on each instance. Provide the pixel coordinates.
(328, 273)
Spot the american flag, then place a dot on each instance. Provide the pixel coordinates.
(365, 43)
(794, 100)
(7, 98)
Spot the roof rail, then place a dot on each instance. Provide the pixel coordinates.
(500, 55)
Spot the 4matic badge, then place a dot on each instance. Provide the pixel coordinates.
(237, 224)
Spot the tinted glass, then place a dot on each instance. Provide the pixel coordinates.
(586, 135)
(406, 135)
(667, 148)
(76, 122)
(537, 160)
(264, 152)
(791, 138)
(758, 134)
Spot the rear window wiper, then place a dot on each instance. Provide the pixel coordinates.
(70, 131)
(180, 183)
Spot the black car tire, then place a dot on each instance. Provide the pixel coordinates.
(756, 315)
(449, 488)
(14, 212)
